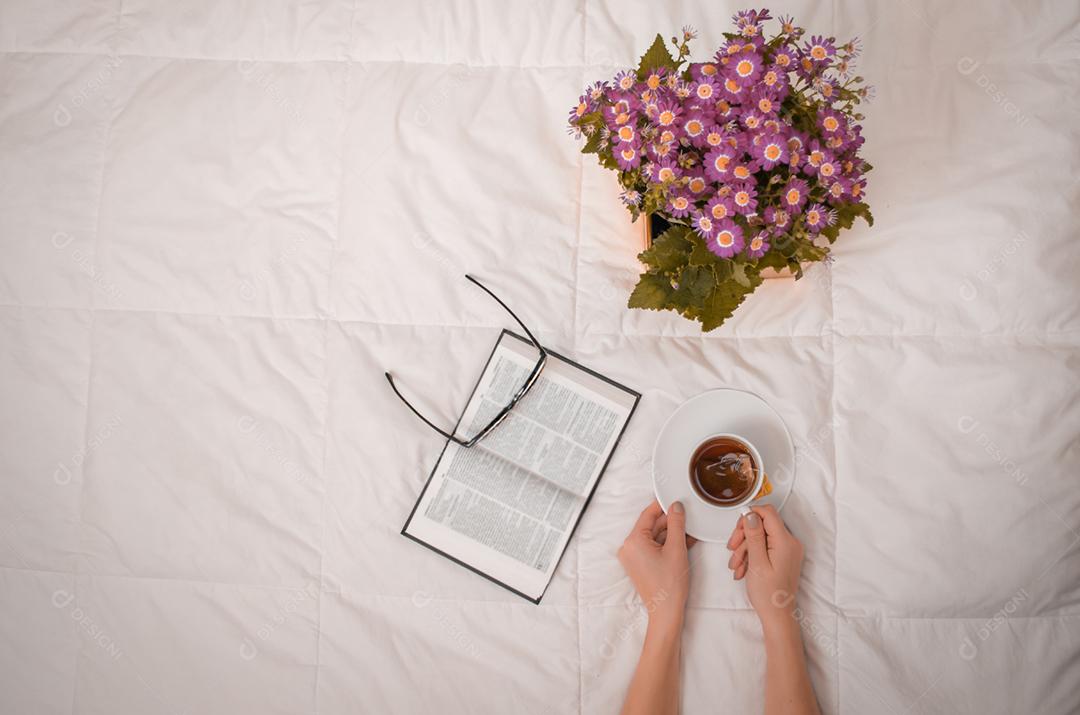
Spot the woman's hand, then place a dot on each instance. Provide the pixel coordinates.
(654, 555)
(770, 557)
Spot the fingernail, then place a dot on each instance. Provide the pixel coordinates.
(677, 507)
(753, 520)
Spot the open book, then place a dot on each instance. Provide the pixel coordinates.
(506, 507)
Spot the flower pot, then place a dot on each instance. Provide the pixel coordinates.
(655, 224)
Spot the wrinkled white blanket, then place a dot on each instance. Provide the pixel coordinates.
(220, 222)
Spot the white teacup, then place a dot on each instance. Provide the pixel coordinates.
(743, 504)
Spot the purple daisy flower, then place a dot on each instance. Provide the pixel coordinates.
(703, 70)
(665, 171)
(820, 49)
(727, 239)
(668, 136)
(668, 114)
(720, 208)
(742, 171)
(837, 189)
(752, 119)
(745, 67)
(831, 122)
(625, 80)
(628, 156)
(758, 245)
(703, 225)
(828, 169)
(771, 150)
(779, 219)
(764, 102)
(785, 60)
(816, 218)
(744, 196)
(714, 136)
(597, 91)
(579, 110)
(733, 91)
(659, 151)
(627, 133)
(795, 195)
(696, 184)
(776, 81)
(718, 163)
(693, 127)
(704, 91)
(655, 79)
(630, 197)
(723, 111)
(679, 205)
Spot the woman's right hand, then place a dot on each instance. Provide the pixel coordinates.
(770, 558)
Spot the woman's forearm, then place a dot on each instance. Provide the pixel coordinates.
(654, 689)
(788, 689)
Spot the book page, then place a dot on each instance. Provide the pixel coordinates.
(508, 505)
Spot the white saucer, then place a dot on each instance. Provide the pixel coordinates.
(700, 417)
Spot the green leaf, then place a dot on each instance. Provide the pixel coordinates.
(696, 284)
(740, 275)
(592, 144)
(773, 259)
(653, 292)
(656, 56)
(721, 304)
(700, 255)
(669, 252)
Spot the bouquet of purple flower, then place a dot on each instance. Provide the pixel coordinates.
(752, 158)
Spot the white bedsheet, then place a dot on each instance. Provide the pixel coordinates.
(221, 221)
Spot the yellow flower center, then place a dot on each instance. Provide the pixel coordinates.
(827, 169)
(719, 211)
(697, 185)
(581, 109)
(704, 91)
(708, 70)
(755, 244)
(765, 105)
(742, 198)
(666, 118)
(817, 52)
(772, 152)
(694, 127)
(793, 196)
(831, 124)
(721, 163)
(626, 133)
(731, 85)
(744, 68)
(741, 172)
(666, 174)
(725, 238)
(705, 223)
(653, 82)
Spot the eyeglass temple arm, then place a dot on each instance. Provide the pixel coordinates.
(507, 309)
(416, 412)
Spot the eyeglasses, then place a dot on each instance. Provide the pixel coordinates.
(502, 414)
